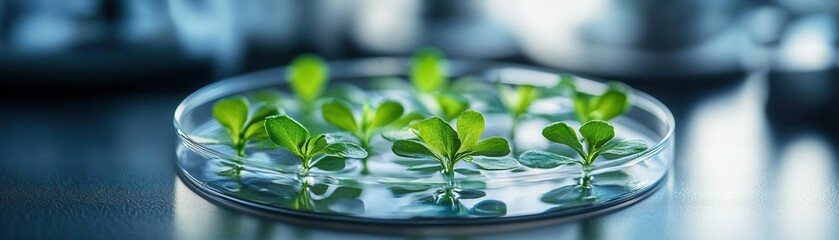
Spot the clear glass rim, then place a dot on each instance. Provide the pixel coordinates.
(372, 67)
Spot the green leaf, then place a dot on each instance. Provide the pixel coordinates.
(438, 135)
(395, 135)
(451, 106)
(518, 100)
(308, 76)
(408, 120)
(339, 137)
(286, 133)
(544, 160)
(387, 113)
(611, 104)
(616, 149)
(581, 108)
(508, 96)
(314, 144)
(562, 133)
(366, 115)
(495, 163)
(467, 171)
(560, 195)
(256, 124)
(429, 70)
(330, 163)
(256, 130)
(339, 114)
(412, 149)
(527, 95)
(581, 101)
(597, 133)
(470, 126)
(265, 110)
(489, 208)
(491, 147)
(232, 113)
(270, 96)
(345, 150)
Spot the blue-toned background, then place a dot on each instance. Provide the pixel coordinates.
(88, 89)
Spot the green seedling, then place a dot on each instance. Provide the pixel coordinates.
(437, 140)
(612, 103)
(597, 141)
(241, 122)
(429, 70)
(312, 150)
(388, 115)
(429, 75)
(517, 101)
(450, 105)
(307, 76)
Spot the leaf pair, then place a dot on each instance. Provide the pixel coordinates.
(429, 75)
(612, 103)
(235, 115)
(387, 115)
(429, 70)
(308, 75)
(517, 100)
(598, 137)
(292, 136)
(437, 140)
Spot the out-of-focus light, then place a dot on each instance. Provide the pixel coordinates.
(727, 136)
(43, 33)
(524, 76)
(546, 25)
(808, 45)
(387, 26)
(806, 172)
(811, 6)
(207, 29)
(603, 37)
(44, 26)
(145, 21)
(765, 23)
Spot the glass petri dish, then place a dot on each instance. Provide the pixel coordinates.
(380, 191)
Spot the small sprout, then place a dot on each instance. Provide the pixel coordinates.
(517, 100)
(429, 70)
(597, 136)
(308, 75)
(451, 106)
(312, 150)
(242, 124)
(388, 115)
(438, 141)
(612, 103)
(429, 75)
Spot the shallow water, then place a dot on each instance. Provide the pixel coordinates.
(388, 191)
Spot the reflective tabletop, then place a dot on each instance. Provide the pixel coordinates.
(751, 163)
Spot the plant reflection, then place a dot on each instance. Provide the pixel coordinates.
(447, 201)
(589, 189)
(304, 194)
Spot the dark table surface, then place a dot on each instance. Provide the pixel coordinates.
(751, 163)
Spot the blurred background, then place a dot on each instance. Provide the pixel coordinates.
(88, 87)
